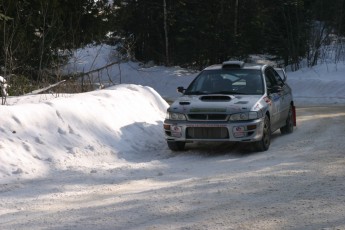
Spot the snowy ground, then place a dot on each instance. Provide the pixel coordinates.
(98, 160)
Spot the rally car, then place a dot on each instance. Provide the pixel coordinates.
(232, 102)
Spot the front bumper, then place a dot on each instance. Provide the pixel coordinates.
(188, 131)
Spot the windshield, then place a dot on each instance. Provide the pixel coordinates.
(227, 81)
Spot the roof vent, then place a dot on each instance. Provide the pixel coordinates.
(233, 64)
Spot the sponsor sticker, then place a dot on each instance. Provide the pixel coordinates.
(268, 101)
(176, 131)
(239, 131)
(257, 106)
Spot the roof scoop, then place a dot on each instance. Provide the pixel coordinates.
(233, 64)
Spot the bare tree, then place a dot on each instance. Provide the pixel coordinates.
(319, 35)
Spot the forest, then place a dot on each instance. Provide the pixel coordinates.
(38, 36)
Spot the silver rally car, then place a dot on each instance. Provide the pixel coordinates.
(234, 101)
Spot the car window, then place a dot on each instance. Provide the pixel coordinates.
(227, 81)
(270, 78)
(281, 73)
(277, 77)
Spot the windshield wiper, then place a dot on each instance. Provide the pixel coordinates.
(226, 92)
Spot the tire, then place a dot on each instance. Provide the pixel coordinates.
(288, 128)
(176, 145)
(265, 141)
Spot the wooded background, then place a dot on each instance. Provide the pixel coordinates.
(38, 36)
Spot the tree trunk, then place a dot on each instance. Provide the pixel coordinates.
(236, 18)
(166, 34)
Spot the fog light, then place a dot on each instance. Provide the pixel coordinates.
(166, 126)
(251, 127)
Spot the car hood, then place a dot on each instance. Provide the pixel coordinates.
(216, 103)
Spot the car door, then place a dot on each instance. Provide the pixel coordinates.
(274, 93)
(286, 96)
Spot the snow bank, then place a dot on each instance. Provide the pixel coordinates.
(79, 131)
(321, 85)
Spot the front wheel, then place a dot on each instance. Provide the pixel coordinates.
(265, 141)
(176, 145)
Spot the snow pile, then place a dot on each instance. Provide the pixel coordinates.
(80, 132)
(321, 85)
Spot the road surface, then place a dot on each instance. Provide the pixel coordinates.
(297, 184)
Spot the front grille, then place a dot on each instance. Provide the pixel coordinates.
(207, 117)
(207, 133)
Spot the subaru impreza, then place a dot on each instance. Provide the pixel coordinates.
(232, 102)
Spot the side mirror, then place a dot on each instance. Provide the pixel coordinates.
(180, 89)
(276, 89)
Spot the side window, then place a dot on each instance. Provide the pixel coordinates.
(270, 78)
(277, 78)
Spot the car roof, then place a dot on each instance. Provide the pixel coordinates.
(235, 65)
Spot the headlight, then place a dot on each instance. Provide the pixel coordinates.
(246, 116)
(175, 116)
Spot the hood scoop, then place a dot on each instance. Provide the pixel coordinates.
(215, 98)
(184, 103)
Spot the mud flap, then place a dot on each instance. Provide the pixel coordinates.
(294, 115)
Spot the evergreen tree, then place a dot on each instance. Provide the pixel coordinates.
(39, 29)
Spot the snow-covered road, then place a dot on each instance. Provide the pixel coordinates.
(297, 184)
